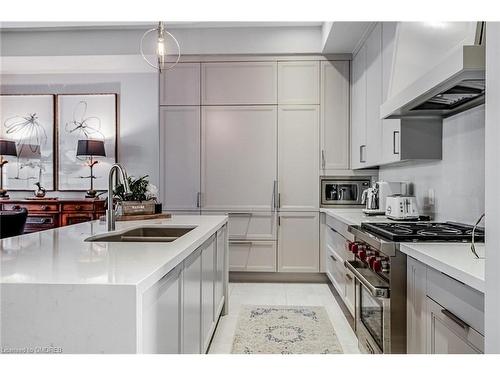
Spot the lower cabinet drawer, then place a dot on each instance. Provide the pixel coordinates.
(249, 225)
(458, 298)
(252, 256)
(337, 243)
(31, 207)
(42, 222)
(336, 271)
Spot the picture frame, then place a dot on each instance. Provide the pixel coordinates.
(29, 120)
(79, 117)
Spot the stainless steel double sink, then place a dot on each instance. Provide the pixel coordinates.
(143, 234)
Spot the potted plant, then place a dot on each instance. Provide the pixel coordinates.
(141, 200)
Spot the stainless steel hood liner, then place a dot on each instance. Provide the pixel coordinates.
(453, 86)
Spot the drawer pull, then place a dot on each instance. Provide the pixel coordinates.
(348, 277)
(455, 319)
(240, 242)
(78, 207)
(333, 258)
(43, 208)
(16, 207)
(239, 214)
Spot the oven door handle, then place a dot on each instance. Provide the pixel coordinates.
(375, 291)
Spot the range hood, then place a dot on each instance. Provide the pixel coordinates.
(454, 85)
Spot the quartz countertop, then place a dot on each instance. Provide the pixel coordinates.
(61, 256)
(451, 258)
(352, 216)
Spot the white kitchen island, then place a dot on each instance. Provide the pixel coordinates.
(59, 293)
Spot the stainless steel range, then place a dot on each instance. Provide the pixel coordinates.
(380, 271)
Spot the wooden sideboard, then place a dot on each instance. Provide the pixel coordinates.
(52, 213)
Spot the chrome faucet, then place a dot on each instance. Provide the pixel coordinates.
(110, 213)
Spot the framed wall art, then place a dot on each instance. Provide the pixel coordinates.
(29, 121)
(85, 117)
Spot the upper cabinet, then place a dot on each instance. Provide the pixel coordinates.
(358, 108)
(334, 116)
(298, 82)
(376, 142)
(180, 85)
(239, 83)
(373, 96)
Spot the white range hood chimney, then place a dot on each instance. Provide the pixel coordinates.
(438, 69)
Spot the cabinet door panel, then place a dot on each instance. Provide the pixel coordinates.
(298, 242)
(335, 115)
(207, 292)
(298, 82)
(239, 83)
(180, 85)
(444, 336)
(252, 256)
(220, 270)
(238, 158)
(161, 316)
(358, 110)
(192, 304)
(180, 157)
(391, 140)
(374, 96)
(298, 161)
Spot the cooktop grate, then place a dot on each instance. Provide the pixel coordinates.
(419, 231)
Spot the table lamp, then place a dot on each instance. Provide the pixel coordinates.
(91, 147)
(7, 148)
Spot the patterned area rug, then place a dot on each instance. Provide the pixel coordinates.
(285, 330)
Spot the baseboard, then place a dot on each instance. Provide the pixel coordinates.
(277, 277)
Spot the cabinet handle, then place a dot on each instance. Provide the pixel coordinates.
(279, 200)
(198, 199)
(240, 242)
(323, 162)
(78, 207)
(348, 277)
(333, 258)
(455, 319)
(43, 207)
(239, 214)
(394, 142)
(275, 196)
(361, 160)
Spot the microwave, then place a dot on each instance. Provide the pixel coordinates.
(343, 191)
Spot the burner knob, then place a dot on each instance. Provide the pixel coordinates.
(371, 259)
(362, 255)
(355, 247)
(385, 265)
(377, 265)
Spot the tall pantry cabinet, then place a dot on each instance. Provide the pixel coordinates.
(250, 139)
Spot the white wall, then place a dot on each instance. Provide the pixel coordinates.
(492, 298)
(138, 147)
(458, 179)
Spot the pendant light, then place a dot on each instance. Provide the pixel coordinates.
(161, 48)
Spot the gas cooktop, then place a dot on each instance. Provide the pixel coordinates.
(420, 231)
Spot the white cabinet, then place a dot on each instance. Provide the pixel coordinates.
(239, 83)
(220, 270)
(334, 115)
(298, 82)
(161, 315)
(444, 316)
(180, 157)
(180, 85)
(358, 110)
(208, 277)
(298, 161)
(448, 334)
(191, 321)
(252, 256)
(374, 96)
(416, 275)
(298, 242)
(238, 158)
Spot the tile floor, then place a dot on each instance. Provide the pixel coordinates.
(281, 294)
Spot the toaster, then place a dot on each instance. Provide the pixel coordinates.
(401, 207)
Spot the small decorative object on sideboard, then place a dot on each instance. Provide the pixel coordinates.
(141, 201)
(40, 191)
(7, 148)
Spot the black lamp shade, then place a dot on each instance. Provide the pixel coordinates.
(7, 148)
(90, 147)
